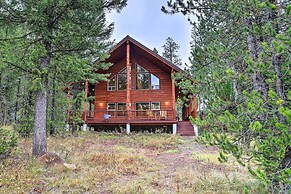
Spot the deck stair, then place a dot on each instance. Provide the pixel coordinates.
(185, 128)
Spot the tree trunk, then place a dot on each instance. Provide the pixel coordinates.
(17, 99)
(259, 82)
(39, 140)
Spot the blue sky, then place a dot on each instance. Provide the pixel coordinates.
(144, 21)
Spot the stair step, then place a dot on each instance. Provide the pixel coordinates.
(185, 128)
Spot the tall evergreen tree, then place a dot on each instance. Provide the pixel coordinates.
(171, 49)
(60, 37)
(241, 54)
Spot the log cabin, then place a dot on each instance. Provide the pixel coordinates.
(140, 91)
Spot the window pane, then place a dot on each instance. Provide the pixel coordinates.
(110, 106)
(143, 81)
(155, 106)
(112, 83)
(155, 82)
(140, 69)
(121, 106)
(121, 109)
(123, 70)
(143, 106)
(121, 81)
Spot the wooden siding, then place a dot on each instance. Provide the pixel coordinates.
(163, 95)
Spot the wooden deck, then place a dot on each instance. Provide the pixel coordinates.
(141, 121)
(156, 117)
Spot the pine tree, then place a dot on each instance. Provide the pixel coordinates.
(60, 37)
(241, 54)
(155, 50)
(171, 49)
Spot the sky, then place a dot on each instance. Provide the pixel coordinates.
(144, 21)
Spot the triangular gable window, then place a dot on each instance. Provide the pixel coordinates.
(123, 71)
(140, 69)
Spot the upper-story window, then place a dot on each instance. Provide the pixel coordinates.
(121, 77)
(118, 82)
(112, 84)
(145, 80)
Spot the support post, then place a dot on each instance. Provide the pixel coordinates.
(195, 107)
(175, 129)
(127, 128)
(128, 70)
(195, 130)
(84, 128)
(173, 94)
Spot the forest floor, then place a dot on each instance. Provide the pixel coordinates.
(119, 163)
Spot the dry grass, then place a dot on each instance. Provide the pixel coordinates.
(119, 163)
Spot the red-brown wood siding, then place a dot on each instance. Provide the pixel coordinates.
(163, 95)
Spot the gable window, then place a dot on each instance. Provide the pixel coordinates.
(145, 80)
(155, 82)
(121, 81)
(112, 84)
(121, 77)
(118, 82)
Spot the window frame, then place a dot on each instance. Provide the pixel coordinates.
(151, 83)
(121, 74)
(155, 108)
(108, 106)
(108, 86)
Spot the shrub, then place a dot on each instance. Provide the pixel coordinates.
(8, 141)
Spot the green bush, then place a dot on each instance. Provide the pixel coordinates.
(8, 141)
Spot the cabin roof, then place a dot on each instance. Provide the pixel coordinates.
(119, 52)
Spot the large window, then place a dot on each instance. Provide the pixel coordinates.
(116, 109)
(118, 81)
(146, 108)
(145, 80)
(122, 79)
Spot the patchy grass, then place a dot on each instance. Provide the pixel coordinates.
(206, 157)
(156, 141)
(120, 163)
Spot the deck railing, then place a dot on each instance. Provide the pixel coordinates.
(133, 114)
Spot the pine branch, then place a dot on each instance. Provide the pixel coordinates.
(16, 38)
(19, 67)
